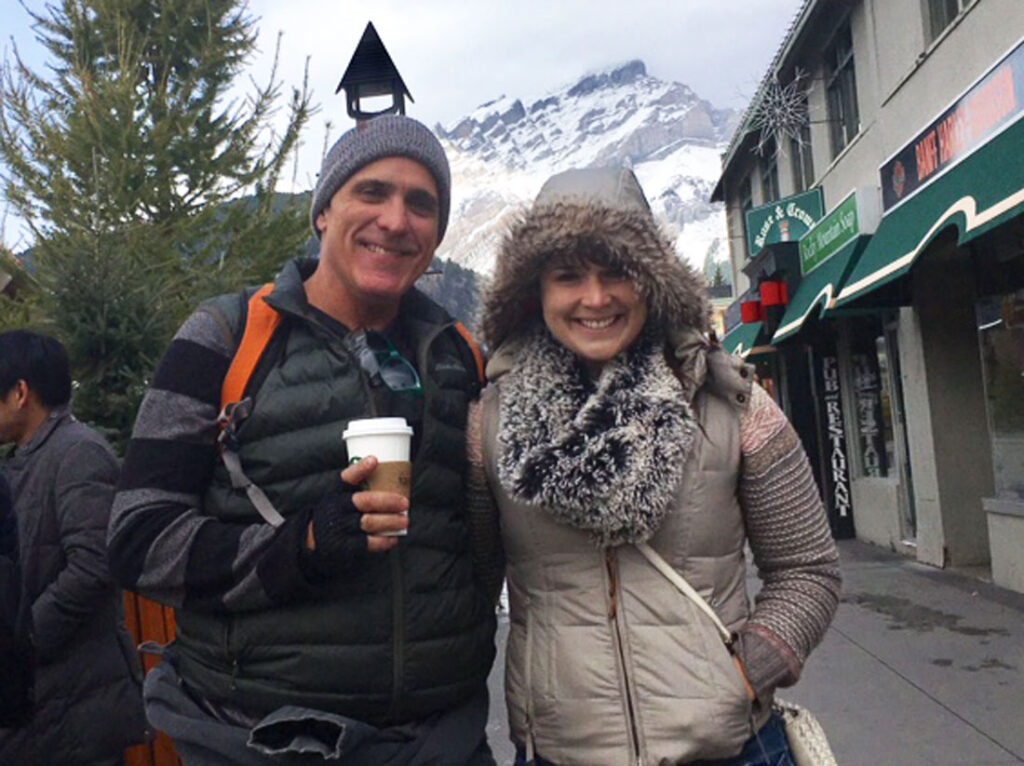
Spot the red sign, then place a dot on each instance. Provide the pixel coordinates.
(996, 100)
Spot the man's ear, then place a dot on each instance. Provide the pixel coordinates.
(321, 221)
(21, 392)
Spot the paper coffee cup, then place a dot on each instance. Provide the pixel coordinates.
(388, 440)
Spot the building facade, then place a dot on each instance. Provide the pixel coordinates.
(875, 204)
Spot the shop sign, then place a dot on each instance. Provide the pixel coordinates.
(838, 467)
(785, 220)
(856, 216)
(994, 101)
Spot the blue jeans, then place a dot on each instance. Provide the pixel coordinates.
(766, 748)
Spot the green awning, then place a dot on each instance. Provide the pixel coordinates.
(982, 191)
(743, 338)
(818, 289)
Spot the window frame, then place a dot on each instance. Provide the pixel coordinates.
(941, 14)
(801, 157)
(770, 171)
(745, 202)
(841, 88)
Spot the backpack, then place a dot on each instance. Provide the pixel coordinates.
(16, 657)
(258, 342)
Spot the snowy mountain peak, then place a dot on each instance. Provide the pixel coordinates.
(622, 74)
(504, 149)
(619, 114)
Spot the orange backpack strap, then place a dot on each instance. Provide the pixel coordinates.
(477, 355)
(260, 322)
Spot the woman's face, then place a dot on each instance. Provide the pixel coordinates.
(594, 311)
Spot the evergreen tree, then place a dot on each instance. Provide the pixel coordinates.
(454, 287)
(144, 186)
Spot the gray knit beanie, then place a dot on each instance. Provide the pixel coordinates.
(392, 135)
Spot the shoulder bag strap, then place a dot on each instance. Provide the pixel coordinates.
(685, 588)
(260, 322)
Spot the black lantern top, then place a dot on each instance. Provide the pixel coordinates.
(371, 72)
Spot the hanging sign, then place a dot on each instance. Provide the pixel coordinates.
(994, 101)
(856, 216)
(837, 466)
(785, 220)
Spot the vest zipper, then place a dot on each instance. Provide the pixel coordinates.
(397, 632)
(232, 653)
(528, 681)
(397, 596)
(611, 566)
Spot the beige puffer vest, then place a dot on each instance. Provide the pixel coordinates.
(607, 663)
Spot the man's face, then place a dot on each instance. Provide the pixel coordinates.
(12, 414)
(379, 233)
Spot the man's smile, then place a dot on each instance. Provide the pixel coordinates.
(380, 249)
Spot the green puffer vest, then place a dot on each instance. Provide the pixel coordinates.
(409, 634)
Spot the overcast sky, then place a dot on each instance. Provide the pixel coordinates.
(457, 54)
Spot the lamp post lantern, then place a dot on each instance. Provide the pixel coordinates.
(371, 72)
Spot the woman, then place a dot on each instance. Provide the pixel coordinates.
(612, 421)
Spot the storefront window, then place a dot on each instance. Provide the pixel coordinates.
(885, 393)
(872, 397)
(1001, 336)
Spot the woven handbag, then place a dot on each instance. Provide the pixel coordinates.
(806, 737)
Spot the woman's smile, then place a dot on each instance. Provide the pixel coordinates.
(599, 324)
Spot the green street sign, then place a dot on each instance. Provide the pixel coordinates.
(785, 220)
(856, 216)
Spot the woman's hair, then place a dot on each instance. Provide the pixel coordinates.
(590, 215)
(586, 251)
(39, 360)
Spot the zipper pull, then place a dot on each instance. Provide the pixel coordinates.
(613, 584)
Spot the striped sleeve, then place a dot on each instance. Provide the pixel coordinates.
(160, 542)
(793, 548)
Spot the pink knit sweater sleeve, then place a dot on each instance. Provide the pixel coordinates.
(795, 555)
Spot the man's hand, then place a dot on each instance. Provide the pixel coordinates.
(380, 511)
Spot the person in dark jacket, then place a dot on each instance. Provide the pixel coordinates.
(304, 630)
(15, 642)
(88, 676)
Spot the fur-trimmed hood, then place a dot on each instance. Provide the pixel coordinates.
(588, 209)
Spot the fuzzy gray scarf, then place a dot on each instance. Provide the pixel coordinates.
(604, 456)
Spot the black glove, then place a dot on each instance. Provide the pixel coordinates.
(341, 544)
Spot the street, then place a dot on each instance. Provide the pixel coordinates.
(921, 667)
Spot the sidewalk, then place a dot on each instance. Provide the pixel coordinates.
(921, 667)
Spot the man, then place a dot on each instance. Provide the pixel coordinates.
(88, 702)
(15, 641)
(320, 634)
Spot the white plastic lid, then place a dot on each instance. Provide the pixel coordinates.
(377, 427)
